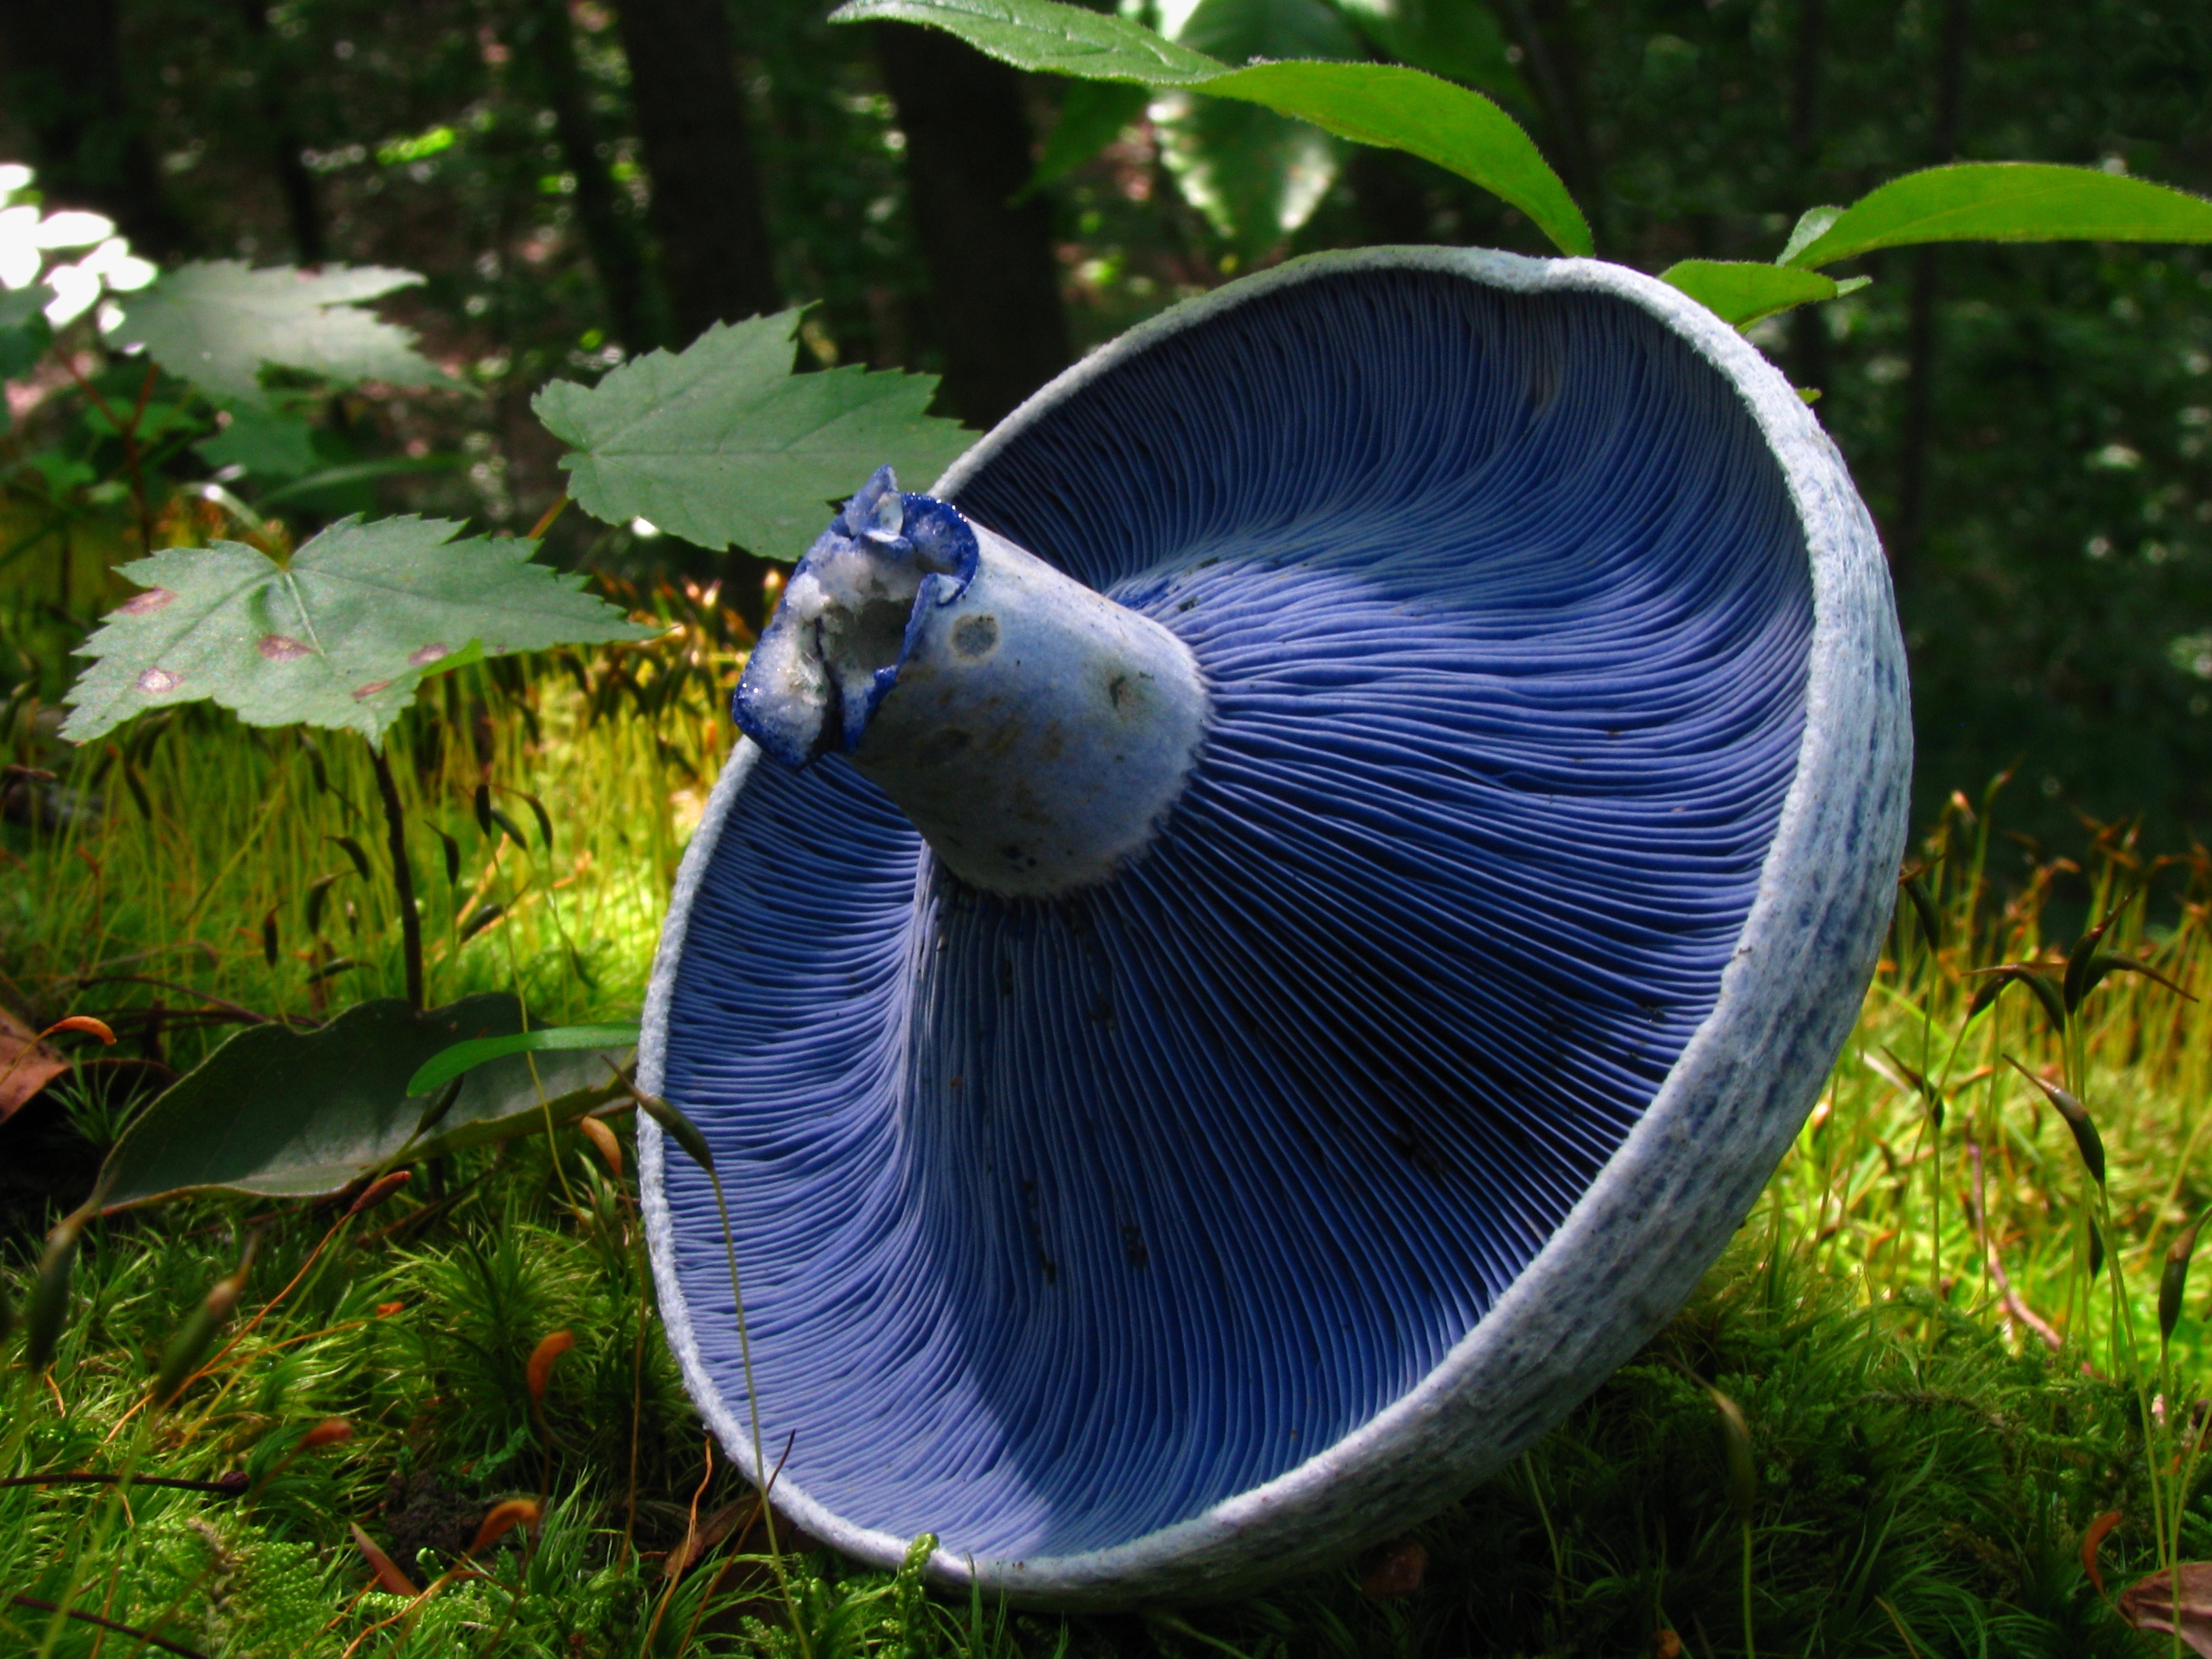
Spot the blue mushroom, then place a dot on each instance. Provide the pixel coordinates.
(1269, 926)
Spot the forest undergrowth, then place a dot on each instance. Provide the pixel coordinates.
(1943, 1396)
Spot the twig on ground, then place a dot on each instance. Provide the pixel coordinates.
(2015, 1304)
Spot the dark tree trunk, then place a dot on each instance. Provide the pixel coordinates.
(1394, 208)
(1920, 325)
(1546, 31)
(993, 284)
(301, 209)
(615, 254)
(1809, 329)
(715, 260)
(64, 83)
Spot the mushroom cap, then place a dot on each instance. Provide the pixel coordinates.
(1155, 1240)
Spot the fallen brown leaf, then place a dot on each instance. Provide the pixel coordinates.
(1397, 1570)
(2148, 1604)
(26, 1064)
(708, 1533)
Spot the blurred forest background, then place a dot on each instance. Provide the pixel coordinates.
(581, 182)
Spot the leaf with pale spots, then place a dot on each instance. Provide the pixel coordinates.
(220, 325)
(340, 636)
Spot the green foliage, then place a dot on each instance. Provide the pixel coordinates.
(339, 636)
(220, 323)
(1253, 172)
(722, 444)
(1385, 104)
(24, 335)
(1742, 291)
(1399, 108)
(465, 1057)
(265, 443)
(1051, 39)
(279, 1113)
(1091, 116)
(1450, 37)
(2004, 202)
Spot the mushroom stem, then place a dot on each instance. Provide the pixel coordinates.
(1034, 731)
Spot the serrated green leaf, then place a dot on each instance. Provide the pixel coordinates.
(219, 324)
(339, 637)
(1743, 292)
(285, 1114)
(265, 443)
(1092, 117)
(722, 444)
(1398, 108)
(1385, 104)
(2008, 202)
(1054, 40)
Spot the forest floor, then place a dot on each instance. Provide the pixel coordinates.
(1946, 1343)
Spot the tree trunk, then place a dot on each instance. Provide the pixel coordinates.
(615, 254)
(993, 284)
(1546, 29)
(64, 83)
(715, 260)
(301, 209)
(1920, 323)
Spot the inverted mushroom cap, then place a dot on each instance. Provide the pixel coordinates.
(1160, 1236)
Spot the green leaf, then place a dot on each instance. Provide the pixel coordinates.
(1382, 104)
(354, 473)
(465, 1057)
(266, 443)
(154, 420)
(24, 332)
(1399, 108)
(1255, 174)
(1092, 117)
(285, 1114)
(1238, 31)
(722, 444)
(2007, 202)
(339, 637)
(218, 324)
(1459, 40)
(1055, 40)
(1742, 291)
(1811, 225)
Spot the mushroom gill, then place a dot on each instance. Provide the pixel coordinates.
(1518, 843)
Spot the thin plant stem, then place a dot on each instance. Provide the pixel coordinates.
(403, 873)
(752, 1407)
(1750, 1647)
(546, 519)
